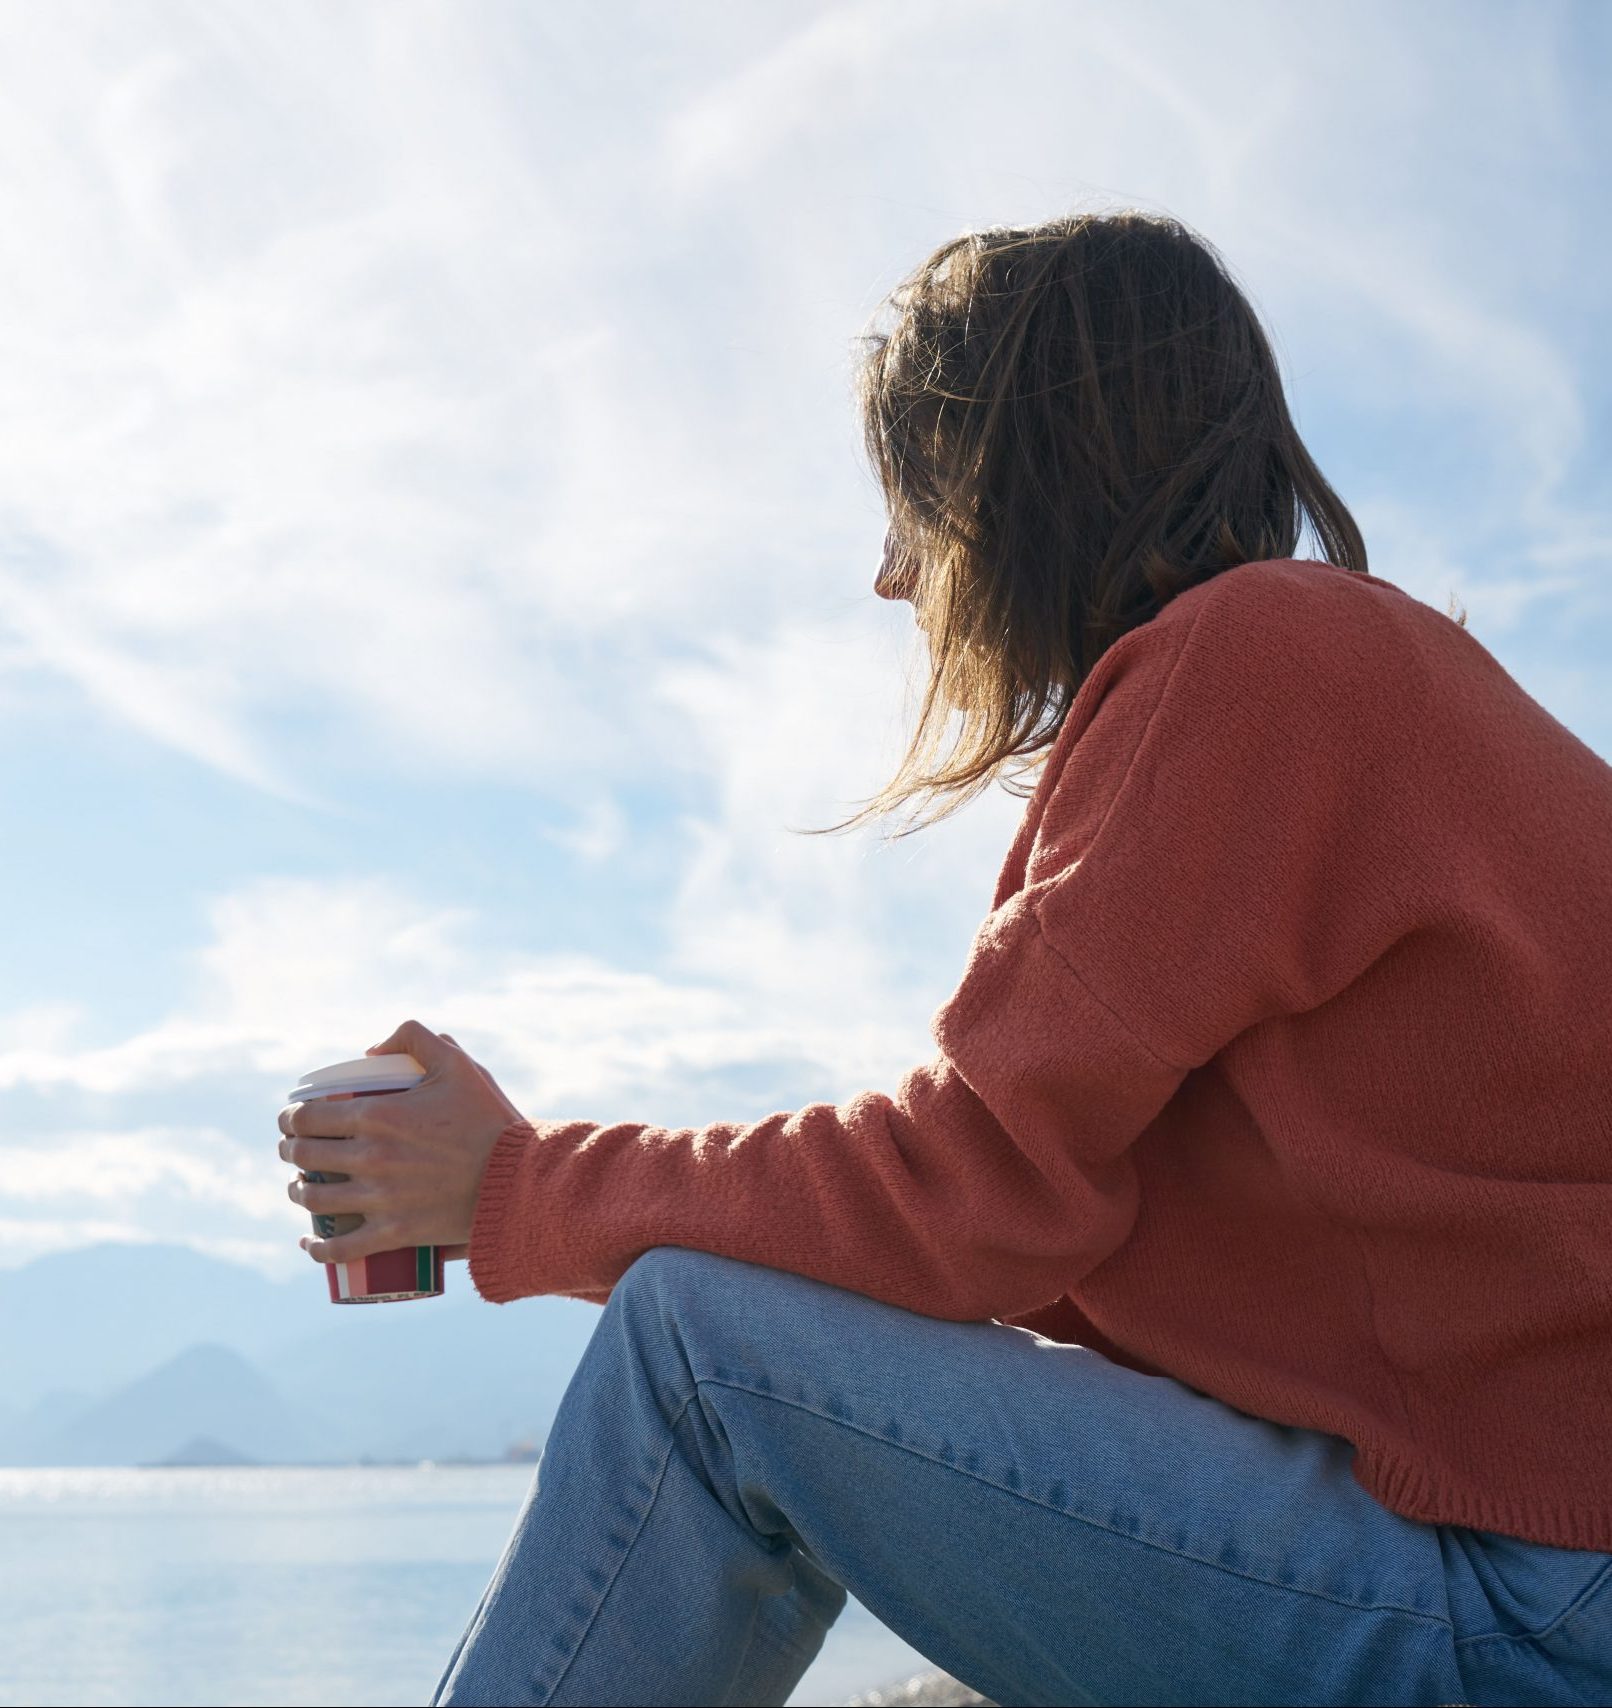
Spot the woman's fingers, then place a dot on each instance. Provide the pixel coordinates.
(327, 1156)
(329, 1197)
(323, 1117)
(348, 1248)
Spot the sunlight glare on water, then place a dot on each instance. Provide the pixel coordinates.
(268, 1585)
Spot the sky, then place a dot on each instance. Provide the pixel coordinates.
(436, 549)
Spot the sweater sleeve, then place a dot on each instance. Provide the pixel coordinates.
(1200, 860)
(987, 1185)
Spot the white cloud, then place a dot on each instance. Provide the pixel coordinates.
(22, 1239)
(348, 368)
(328, 456)
(186, 704)
(302, 972)
(796, 730)
(599, 832)
(443, 393)
(815, 78)
(202, 1164)
(1406, 549)
(46, 1026)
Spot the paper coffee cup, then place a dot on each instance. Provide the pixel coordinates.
(410, 1272)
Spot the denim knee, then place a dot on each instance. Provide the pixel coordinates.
(672, 1270)
(675, 1285)
(678, 1310)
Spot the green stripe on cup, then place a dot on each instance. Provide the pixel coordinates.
(422, 1267)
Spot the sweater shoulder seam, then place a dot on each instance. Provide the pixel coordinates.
(1080, 979)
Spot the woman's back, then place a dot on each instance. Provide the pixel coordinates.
(1350, 881)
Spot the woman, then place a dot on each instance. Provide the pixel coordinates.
(1225, 1313)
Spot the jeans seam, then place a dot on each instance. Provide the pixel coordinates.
(638, 1529)
(1046, 1506)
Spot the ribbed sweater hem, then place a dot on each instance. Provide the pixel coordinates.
(1408, 1488)
(490, 1245)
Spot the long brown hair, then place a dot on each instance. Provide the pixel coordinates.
(1072, 423)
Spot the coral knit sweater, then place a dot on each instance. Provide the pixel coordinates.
(1281, 1065)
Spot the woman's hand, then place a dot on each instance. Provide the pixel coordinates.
(415, 1157)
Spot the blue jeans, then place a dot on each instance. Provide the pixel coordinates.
(739, 1446)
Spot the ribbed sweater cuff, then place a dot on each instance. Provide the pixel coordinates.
(491, 1268)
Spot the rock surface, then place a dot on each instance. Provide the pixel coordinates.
(937, 1688)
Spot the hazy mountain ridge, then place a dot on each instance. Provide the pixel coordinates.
(206, 1389)
(135, 1354)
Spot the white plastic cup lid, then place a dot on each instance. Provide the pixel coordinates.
(367, 1073)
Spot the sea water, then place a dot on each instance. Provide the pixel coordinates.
(280, 1585)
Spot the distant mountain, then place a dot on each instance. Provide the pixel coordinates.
(124, 1354)
(206, 1390)
(204, 1450)
(98, 1317)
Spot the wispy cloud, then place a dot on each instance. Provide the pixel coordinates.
(817, 78)
(300, 972)
(121, 1167)
(379, 419)
(458, 397)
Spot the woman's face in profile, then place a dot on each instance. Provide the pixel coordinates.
(895, 578)
(898, 579)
